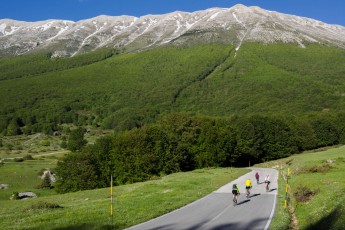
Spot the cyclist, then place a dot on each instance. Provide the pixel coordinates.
(267, 182)
(257, 177)
(235, 193)
(248, 187)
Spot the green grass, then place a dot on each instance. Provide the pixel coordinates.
(23, 177)
(139, 202)
(133, 203)
(324, 209)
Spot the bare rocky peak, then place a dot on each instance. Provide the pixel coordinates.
(235, 25)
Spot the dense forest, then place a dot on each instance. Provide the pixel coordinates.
(182, 142)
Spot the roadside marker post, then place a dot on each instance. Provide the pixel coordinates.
(111, 199)
(287, 188)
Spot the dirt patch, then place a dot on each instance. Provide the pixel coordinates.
(294, 220)
(303, 194)
(321, 168)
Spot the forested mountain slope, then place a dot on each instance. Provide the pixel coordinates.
(122, 91)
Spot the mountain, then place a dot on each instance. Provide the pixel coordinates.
(233, 25)
(219, 62)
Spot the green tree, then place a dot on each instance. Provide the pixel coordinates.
(326, 130)
(76, 172)
(262, 138)
(46, 182)
(13, 128)
(304, 133)
(76, 139)
(102, 152)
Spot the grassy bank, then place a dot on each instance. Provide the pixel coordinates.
(316, 195)
(133, 203)
(316, 190)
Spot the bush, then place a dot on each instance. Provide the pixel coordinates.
(43, 205)
(46, 182)
(28, 157)
(45, 143)
(63, 144)
(15, 196)
(18, 159)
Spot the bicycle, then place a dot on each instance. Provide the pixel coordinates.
(248, 193)
(234, 200)
(257, 176)
(267, 186)
(235, 194)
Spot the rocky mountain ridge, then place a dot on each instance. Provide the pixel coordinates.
(234, 25)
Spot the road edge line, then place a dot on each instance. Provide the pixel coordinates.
(273, 210)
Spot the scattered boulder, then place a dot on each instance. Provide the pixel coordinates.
(329, 161)
(4, 186)
(51, 175)
(22, 195)
(56, 133)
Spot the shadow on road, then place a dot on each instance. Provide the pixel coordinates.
(242, 202)
(254, 195)
(172, 227)
(271, 190)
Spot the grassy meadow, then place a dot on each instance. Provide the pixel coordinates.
(316, 190)
(133, 203)
(24, 177)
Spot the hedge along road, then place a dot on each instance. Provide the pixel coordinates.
(216, 211)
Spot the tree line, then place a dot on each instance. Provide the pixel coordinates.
(183, 142)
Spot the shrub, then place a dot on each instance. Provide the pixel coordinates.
(43, 205)
(63, 144)
(46, 182)
(28, 157)
(18, 159)
(45, 143)
(15, 196)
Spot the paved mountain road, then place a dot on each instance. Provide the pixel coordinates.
(216, 211)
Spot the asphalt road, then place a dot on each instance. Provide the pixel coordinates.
(216, 211)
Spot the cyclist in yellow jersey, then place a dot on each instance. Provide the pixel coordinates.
(248, 187)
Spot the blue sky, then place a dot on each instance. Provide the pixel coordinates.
(329, 11)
